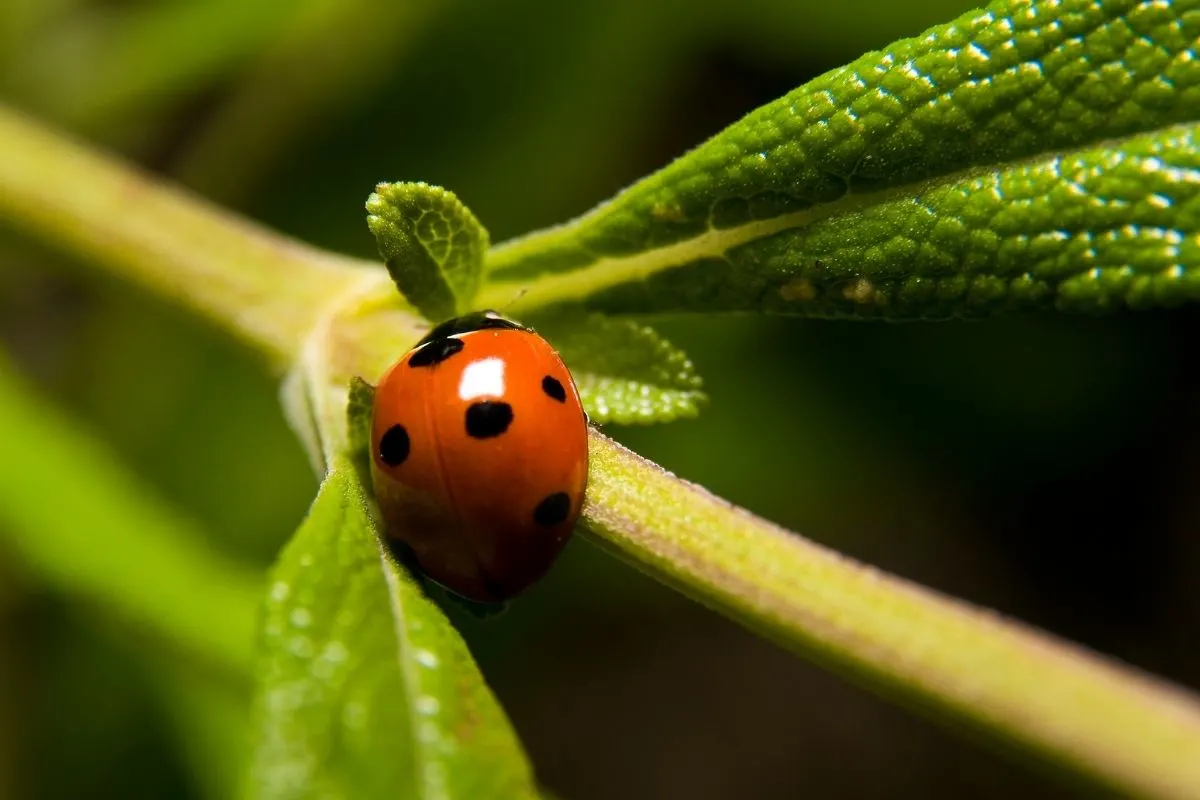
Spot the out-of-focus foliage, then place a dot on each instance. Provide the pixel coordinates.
(1044, 466)
(363, 689)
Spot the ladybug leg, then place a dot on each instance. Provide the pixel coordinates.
(477, 609)
(403, 555)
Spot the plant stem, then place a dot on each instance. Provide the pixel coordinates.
(263, 287)
(1090, 717)
(1101, 720)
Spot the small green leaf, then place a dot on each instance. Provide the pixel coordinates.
(625, 372)
(366, 690)
(1032, 154)
(432, 243)
(358, 421)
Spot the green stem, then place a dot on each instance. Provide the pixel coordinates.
(1087, 715)
(261, 286)
(1092, 718)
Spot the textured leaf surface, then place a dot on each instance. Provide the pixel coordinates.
(994, 162)
(366, 690)
(432, 243)
(625, 372)
(1089, 231)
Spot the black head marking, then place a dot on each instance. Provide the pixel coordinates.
(553, 510)
(435, 352)
(488, 418)
(394, 446)
(478, 321)
(554, 388)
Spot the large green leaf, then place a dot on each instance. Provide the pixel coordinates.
(366, 690)
(1034, 153)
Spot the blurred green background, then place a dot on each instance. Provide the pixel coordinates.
(1044, 466)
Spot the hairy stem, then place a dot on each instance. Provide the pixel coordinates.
(1098, 719)
(1090, 717)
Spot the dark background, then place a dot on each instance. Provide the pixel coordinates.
(1045, 466)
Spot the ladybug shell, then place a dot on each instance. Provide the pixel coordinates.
(479, 459)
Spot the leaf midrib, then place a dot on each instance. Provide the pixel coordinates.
(422, 786)
(714, 243)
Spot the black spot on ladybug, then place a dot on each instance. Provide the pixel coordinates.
(552, 387)
(435, 352)
(552, 510)
(488, 418)
(393, 446)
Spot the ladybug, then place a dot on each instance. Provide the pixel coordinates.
(479, 455)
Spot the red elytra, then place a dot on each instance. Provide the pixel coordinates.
(479, 455)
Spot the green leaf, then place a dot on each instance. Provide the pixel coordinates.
(1085, 231)
(358, 422)
(625, 372)
(432, 243)
(1091, 718)
(366, 690)
(1032, 154)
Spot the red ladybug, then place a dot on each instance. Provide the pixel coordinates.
(479, 455)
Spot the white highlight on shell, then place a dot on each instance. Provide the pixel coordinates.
(482, 378)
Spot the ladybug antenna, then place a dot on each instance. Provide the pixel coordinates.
(514, 299)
